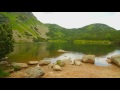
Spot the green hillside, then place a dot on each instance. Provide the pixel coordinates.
(26, 27)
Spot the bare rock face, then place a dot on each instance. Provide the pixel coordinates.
(57, 68)
(88, 58)
(22, 65)
(44, 62)
(33, 62)
(34, 72)
(116, 59)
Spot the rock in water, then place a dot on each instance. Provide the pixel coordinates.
(116, 59)
(57, 68)
(88, 58)
(44, 62)
(33, 62)
(34, 72)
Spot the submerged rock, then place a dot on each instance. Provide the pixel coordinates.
(60, 50)
(35, 72)
(88, 58)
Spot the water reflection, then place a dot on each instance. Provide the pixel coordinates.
(37, 51)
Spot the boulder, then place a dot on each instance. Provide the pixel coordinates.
(109, 60)
(22, 65)
(33, 62)
(57, 68)
(4, 62)
(44, 62)
(66, 61)
(4, 59)
(60, 63)
(51, 65)
(88, 58)
(116, 59)
(77, 62)
(34, 72)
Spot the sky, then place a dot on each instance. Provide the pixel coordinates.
(79, 19)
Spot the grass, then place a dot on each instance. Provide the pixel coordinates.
(3, 74)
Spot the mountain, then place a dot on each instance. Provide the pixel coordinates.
(26, 27)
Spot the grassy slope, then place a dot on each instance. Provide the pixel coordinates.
(28, 24)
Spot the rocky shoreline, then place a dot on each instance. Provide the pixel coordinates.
(44, 68)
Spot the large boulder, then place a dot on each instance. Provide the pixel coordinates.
(33, 62)
(88, 58)
(44, 62)
(77, 62)
(34, 72)
(22, 65)
(116, 59)
(57, 68)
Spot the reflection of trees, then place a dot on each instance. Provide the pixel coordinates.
(86, 49)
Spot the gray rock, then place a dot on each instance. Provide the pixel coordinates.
(57, 68)
(116, 59)
(88, 58)
(77, 62)
(22, 65)
(67, 61)
(34, 72)
(44, 62)
(33, 62)
(4, 62)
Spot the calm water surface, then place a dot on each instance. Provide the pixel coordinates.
(25, 52)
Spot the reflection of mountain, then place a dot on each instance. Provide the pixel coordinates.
(98, 50)
(29, 51)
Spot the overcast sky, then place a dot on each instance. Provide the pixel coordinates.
(79, 19)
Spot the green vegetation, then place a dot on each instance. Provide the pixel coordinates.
(91, 34)
(17, 68)
(25, 26)
(3, 74)
(60, 63)
(6, 40)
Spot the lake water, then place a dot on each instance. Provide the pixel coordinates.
(26, 52)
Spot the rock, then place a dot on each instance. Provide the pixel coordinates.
(60, 63)
(109, 60)
(33, 62)
(67, 61)
(77, 62)
(34, 72)
(51, 65)
(88, 58)
(60, 50)
(44, 62)
(4, 59)
(10, 70)
(57, 68)
(116, 59)
(4, 62)
(22, 65)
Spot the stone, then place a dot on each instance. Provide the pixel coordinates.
(33, 62)
(34, 72)
(60, 50)
(22, 65)
(67, 61)
(88, 58)
(51, 65)
(44, 62)
(109, 60)
(4, 62)
(77, 62)
(60, 63)
(10, 70)
(57, 68)
(116, 59)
